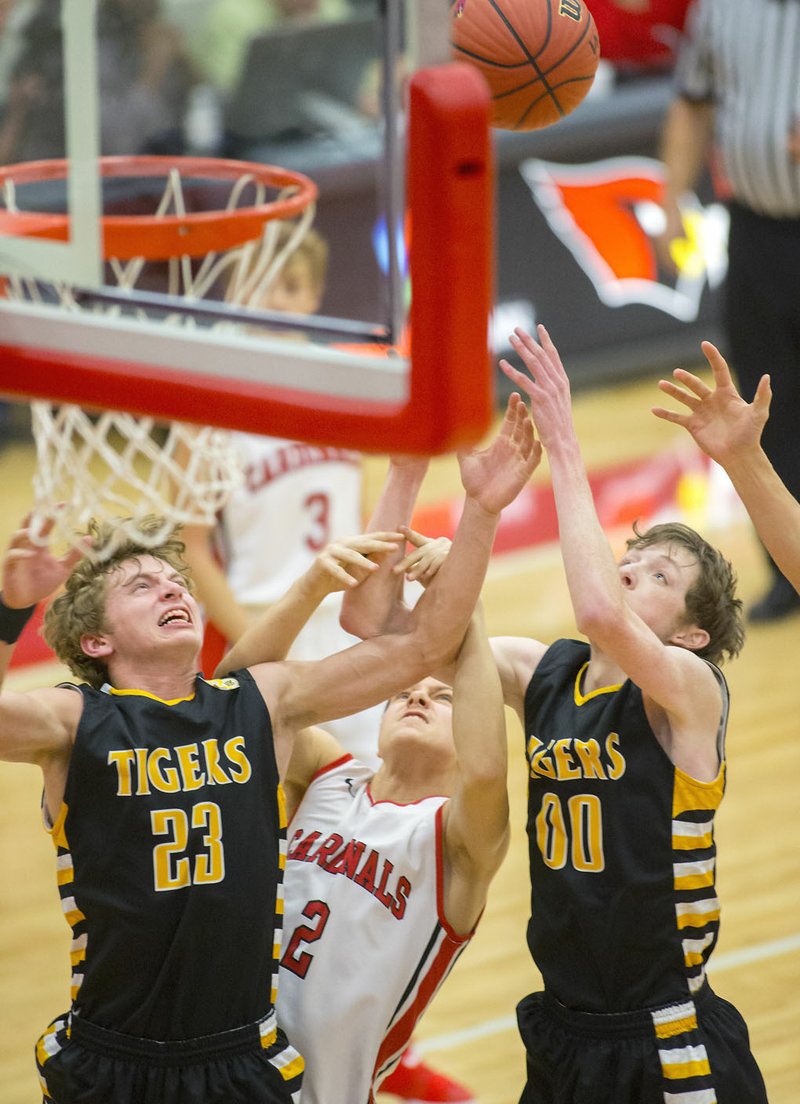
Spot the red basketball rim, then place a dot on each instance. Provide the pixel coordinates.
(159, 237)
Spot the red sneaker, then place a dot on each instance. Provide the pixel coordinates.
(417, 1083)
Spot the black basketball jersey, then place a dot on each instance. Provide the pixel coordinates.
(171, 849)
(624, 912)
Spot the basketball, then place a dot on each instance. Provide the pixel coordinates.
(538, 56)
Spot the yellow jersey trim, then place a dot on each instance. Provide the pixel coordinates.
(580, 697)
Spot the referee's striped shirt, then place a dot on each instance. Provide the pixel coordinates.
(745, 56)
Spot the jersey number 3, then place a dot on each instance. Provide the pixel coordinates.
(293, 958)
(318, 510)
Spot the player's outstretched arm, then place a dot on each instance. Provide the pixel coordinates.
(516, 658)
(492, 478)
(39, 724)
(678, 681)
(377, 606)
(728, 429)
(476, 829)
(303, 694)
(589, 564)
(341, 565)
(31, 573)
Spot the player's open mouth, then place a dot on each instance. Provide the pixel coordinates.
(174, 616)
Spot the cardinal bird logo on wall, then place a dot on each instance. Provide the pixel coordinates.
(608, 215)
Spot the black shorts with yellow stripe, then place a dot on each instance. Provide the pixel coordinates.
(694, 1052)
(81, 1063)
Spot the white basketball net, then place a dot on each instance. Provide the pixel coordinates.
(117, 467)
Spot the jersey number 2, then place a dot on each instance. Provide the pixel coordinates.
(293, 958)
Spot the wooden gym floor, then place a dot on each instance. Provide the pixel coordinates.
(469, 1031)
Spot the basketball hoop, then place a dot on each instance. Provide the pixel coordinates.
(120, 467)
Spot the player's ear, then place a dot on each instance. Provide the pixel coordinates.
(690, 637)
(96, 647)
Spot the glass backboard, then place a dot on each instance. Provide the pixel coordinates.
(119, 115)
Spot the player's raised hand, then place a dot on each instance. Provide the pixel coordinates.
(546, 384)
(494, 476)
(718, 418)
(348, 562)
(31, 572)
(424, 561)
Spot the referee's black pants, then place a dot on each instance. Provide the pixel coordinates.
(763, 323)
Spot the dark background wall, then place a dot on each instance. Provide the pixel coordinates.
(599, 342)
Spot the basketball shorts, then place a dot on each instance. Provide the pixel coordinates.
(81, 1063)
(697, 1051)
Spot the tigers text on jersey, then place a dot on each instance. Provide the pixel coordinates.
(366, 944)
(171, 846)
(624, 913)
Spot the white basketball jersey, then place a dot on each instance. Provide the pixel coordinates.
(365, 945)
(295, 499)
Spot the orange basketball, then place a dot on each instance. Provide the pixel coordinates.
(539, 56)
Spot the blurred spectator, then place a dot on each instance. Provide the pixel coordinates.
(14, 14)
(144, 74)
(220, 46)
(639, 35)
